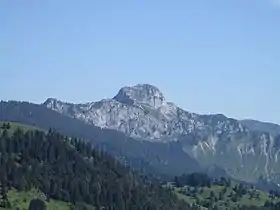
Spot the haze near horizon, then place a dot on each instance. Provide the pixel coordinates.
(205, 56)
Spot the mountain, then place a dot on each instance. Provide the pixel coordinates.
(142, 112)
(256, 125)
(70, 170)
(147, 157)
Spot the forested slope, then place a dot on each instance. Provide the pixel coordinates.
(223, 193)
(71, 171)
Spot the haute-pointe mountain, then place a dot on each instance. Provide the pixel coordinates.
(143, 113)
(142, 128)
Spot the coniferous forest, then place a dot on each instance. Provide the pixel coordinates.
(70, 170)
(85, 178)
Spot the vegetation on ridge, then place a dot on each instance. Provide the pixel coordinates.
(222, 193)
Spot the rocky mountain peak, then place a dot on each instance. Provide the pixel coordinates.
(141, 111)
(51, 102)
(55, 104)
(141, 94)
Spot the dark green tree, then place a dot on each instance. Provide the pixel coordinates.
(37, 204)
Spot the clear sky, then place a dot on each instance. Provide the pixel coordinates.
(207, 56)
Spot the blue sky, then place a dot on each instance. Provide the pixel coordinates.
(206, 56)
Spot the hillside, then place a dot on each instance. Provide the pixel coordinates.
(22, 199)
(148, 157)
(70, 171)
(12, 126)
(143, 113)
(222, 193)
(198, 190)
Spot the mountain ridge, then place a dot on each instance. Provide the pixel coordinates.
(257, 125)
(135, 108)
(143, 156)
(142, 112)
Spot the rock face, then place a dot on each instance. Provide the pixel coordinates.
(141, 94)
(142, 112)
(255, 125)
